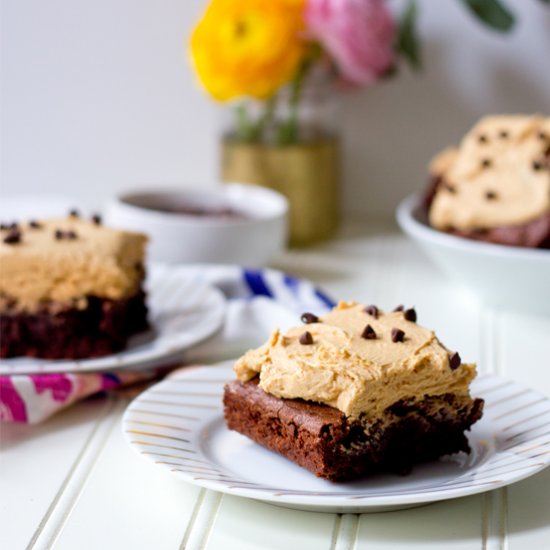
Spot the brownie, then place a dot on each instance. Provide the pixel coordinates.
(70, 288)
(101, 328)
(355, 391)
(495, 186)
(323, 440)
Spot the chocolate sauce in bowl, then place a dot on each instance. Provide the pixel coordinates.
(188, 210)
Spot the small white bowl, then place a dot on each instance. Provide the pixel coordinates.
(253, 240)
(504, 276)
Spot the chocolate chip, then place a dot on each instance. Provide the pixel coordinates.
(13, 237)
(372, 310)
(308, 318)
(410, 315)
(306, 339)
(35, 225)
(537, 165)
(13, 225)
(397, 335)
(96, 218)
(482, 138)
(485, 163)
(368, 333)
(74, 213)
(454, 361)
(542, 135)
(504, 134)
(400, 307)
(450, 188)
(69, 234)
(491, 195)
(4, 226)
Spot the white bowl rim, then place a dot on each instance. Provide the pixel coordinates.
(278, 202)
(410, 224)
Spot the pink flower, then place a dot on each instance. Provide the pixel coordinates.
(357, 34)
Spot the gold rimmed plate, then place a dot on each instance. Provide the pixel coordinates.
(178, 424)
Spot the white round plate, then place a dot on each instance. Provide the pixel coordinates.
(179, 425)
(182, 312)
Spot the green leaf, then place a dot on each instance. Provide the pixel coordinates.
(492, 13)
(407, 41)
(545, 1)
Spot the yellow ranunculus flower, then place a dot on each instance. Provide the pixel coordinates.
(248, 47)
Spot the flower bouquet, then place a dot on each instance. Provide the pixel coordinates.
(267, 50)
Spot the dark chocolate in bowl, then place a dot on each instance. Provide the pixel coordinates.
(189, 210)
(206, 207)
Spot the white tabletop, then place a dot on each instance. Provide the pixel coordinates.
(73, 481)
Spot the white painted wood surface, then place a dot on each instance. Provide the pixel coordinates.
(73, 482)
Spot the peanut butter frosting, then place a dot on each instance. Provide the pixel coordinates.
(346, 365)
(498, 176)
(65, 260)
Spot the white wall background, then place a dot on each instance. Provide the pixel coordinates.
(96, 96)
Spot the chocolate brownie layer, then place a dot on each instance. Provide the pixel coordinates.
(535, 234)
(100, 328)
(333, 446)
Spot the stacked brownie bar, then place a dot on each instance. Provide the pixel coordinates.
(495, 186)
(69, 288)
(354, 392)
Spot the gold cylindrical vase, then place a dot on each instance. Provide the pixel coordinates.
(306, 173)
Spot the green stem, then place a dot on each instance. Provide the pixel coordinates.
(266, 118)
(288, 131)
(249, 131)
(245, 130)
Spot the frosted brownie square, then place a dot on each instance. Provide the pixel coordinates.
(69, 288)
(354, 392)
(495, 186)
